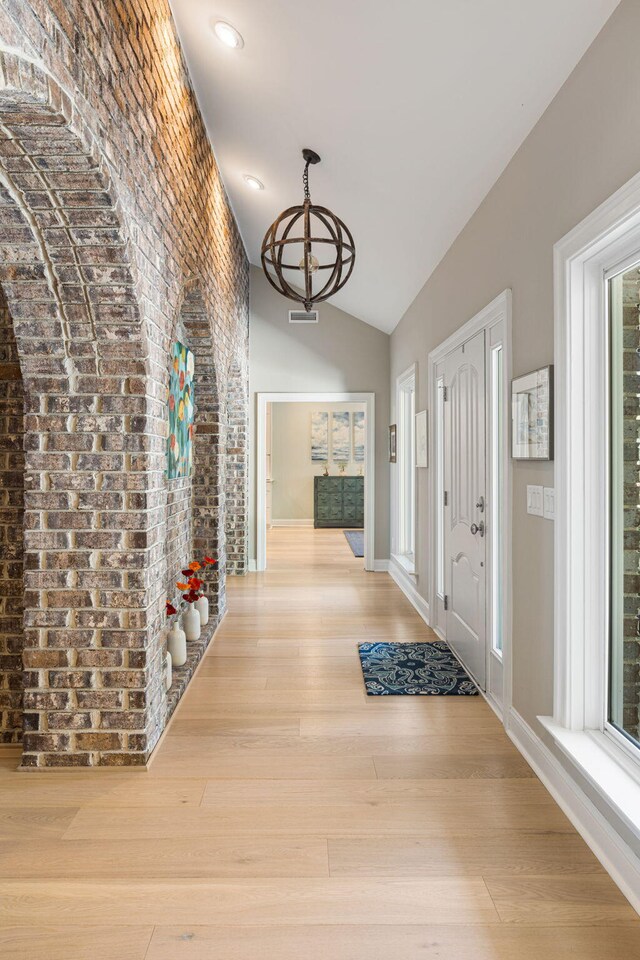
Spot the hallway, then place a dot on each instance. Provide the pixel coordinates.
(287, 815)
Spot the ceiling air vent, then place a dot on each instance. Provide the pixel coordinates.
(302, 316)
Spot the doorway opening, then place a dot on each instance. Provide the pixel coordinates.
(471, 497)
(315, 462)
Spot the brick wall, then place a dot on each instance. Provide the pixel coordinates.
(114, 230)
(236, 476)
(11, 531)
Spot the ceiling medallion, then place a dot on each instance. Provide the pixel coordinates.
(318, 246)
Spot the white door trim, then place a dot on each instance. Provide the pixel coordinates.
(498, 311)
(262, 399)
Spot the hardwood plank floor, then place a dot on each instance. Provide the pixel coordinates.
(286, 814)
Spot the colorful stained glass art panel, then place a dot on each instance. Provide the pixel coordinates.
(181, 410)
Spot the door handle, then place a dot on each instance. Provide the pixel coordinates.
(478, 528)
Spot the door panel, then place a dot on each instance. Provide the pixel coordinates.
(465, 587)
(465, 545)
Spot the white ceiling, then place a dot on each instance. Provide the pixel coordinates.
(415, 106)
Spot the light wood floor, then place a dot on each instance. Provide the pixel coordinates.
(287, 816)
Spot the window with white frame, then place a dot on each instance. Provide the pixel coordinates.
(496, 517)
(406, 460)
(440, 487)
(596, 696)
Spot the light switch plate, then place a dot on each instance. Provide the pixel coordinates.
(549, 503)
(534, 500)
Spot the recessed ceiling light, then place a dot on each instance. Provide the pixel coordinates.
(253, 182)
(228, 35)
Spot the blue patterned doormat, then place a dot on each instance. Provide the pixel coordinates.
(414, 669)
(355, 539)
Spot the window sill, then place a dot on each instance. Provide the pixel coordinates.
(596, 758)
(407, 564)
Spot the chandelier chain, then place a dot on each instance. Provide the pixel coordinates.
(305, 181)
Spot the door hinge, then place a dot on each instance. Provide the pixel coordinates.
(446, 602)
(446, 498)
(445, 394)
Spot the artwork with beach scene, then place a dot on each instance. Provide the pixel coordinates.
(319, 436)
(358, 437)
(340, 438)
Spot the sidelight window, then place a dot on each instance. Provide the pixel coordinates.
(406, 410)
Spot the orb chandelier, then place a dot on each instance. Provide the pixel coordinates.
(308, 253)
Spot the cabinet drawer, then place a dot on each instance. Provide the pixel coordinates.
(329, 507)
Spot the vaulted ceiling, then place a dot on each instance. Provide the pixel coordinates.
(415, 106)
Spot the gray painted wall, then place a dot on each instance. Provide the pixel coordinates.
(292, 469)
(340, 353)
(586, 145)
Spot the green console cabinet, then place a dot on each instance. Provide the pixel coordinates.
(338, 502)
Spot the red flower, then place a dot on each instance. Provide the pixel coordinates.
(170, 609)
(209, 561)
(182, 586)
(187, 573)
(194, 583)
(191, 597)
(195, 565)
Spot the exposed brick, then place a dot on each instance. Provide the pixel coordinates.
(98, 741)
(84, 366)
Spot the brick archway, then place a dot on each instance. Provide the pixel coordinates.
(91, 666)
(236, 476)
(206, 483)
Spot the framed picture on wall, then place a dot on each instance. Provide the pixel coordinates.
(180, 413)
(358, 436)
(532, 415)
(340, 437)
(393, 443)
(422, 452)
(320, 436)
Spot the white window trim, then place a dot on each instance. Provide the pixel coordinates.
(406, 383)
(438, 487)
(605, 241)
(496, 443)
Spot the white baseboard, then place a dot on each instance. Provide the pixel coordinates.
(292, 523)
(617, 858)
(253, 566)
(380, 566)
(408, 587)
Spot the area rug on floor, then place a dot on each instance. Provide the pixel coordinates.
(415, 669)
(355, 539)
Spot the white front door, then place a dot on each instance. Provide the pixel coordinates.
(465, 504)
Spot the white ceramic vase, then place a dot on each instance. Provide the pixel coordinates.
(191, 623)
(202, 606)
(168, 671)
(177, 646)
